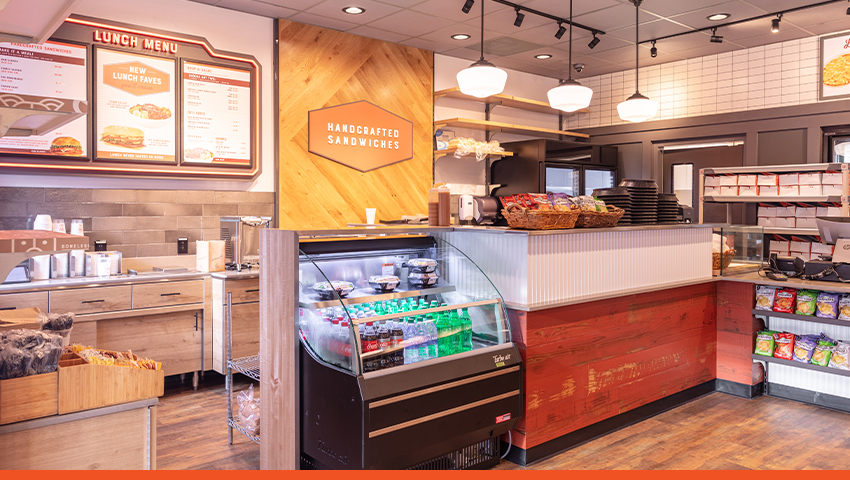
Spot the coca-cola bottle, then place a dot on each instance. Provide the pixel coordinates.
(385, 360)
(397, 344)
(344, 344)
(369, 343)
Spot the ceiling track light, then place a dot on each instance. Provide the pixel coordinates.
(561, 31)
(519, 18)
(570, 95)
(774, 24)
(637, 108)
(593, 43)
(653, 52)
(468, 5)
(715, 38)
(482, 78)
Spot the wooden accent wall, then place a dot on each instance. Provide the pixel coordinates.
(322, 68)
(589, 362)
(736, 332)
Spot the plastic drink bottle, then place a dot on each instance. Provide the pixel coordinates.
(466, 330)
(397, 343)
(431, 331)
(370, 344)
(344, 344)
(385, 360)
(442, 335)
(422, 337)
(411, 349)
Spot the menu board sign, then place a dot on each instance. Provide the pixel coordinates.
(835, 66)
(46, 77)
(216, 115)
(135, 107)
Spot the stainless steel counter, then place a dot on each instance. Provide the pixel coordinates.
(234, 275)
(85, 282)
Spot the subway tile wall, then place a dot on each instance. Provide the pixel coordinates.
(775, 75)
(139, 223)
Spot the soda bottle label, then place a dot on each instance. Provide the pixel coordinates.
(383, 344)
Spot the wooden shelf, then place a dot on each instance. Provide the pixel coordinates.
(791, 231)
(451, 151)
(802, 318)
(807, 366)
(506, 101)
(506, 127)
(806, 167)
(771, 199)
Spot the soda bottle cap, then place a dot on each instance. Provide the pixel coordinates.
(335, 322)
(368, 324)
(344, 323)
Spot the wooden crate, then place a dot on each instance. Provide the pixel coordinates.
(30, 397)
(83, 386)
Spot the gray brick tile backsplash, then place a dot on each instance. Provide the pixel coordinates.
(138, 223)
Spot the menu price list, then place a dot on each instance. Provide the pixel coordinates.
(216, 115)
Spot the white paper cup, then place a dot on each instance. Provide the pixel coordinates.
(370, 215)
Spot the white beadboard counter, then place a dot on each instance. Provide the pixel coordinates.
(535, 270)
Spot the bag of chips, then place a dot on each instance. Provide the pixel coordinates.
(827, 305)
(539, 201)
(804, 347)
(560, 201)
(840, 356)
(600, 205)
(844, 308)
(822, 353)
(764, 297)
(765, 343)
(784, 301)
(784, 345)
(806, 302)
(510, 203)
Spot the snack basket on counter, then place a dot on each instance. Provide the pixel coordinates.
(587, 219)
(719, 261)
(541, 219)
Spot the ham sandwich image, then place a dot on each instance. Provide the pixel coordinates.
(127, 137)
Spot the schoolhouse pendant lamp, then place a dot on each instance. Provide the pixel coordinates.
(637, 108)
(570, 95)
(482, 78)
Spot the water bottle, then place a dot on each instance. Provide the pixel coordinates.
(466, 330)
(422, 337)
(431, 331)
(385, 360)
(411, 348)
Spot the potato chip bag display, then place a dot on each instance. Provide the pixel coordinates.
(600, 205)
(804, 347)
(840, 356)
(827, 306)
(806, 302)
(765, 343)
(510, 203)
(784, 345)
(784, 301)
(764, 297)
(560, 201)
(822, 353)
(844, 308)
(585, 203)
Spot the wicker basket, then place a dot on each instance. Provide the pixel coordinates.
(716, 261)
(600, 219)
(541, 220)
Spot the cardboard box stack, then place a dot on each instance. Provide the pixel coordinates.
(712, 185)
(831, 183)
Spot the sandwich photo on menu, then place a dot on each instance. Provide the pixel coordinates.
(127, 137)
(66, 146)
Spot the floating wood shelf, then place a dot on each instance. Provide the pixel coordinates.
(505, 101)
(762, 199)
(451, 151)
(791, 231)
(506, 127)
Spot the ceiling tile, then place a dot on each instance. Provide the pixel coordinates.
(819, 15)
(778, 5)
(207, 2)
(503, 21)
(451, 9)
(294, 4)
(623, 54)
(463, 53)
(658, 28)
(708, 49)
(561, 8)
(685, 42)
(545, 35)
(667, 9)
(606, 43)
(699, 18)
(411, 23)
(829, 27)
(504, 46)
(257, 8)
(402, 3)
(320, 21)
(445, 35)
(786, 32)
(384, 35)
(439, 47)
(333, 9)
(615, 17)
(759, 29)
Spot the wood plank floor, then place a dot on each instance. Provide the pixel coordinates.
(717, 431)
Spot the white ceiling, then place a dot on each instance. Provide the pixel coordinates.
(429, 24)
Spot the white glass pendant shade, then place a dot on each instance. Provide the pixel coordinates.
(637, 108)
(482, 79)
(570, 96)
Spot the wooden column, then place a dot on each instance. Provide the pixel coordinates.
(736, 332)
(279, 408)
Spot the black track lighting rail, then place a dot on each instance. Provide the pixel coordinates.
(550, 17)
(736, 22)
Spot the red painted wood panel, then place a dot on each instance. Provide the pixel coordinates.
(736, 331)
(588, 362)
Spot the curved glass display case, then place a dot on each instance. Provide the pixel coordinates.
(369, 311)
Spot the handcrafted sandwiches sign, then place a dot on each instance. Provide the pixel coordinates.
(360, 135)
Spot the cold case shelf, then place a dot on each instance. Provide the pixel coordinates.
(367, 295)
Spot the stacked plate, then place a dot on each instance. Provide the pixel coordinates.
(618, 197)
(644, 199)
(668, 208)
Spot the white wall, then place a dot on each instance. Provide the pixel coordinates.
(225, 30)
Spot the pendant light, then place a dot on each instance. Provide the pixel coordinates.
(570, 95)
(482, 78)
(637, 108)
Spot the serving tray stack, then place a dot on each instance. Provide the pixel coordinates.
(618, 197)
(644, 199)
(668, 208)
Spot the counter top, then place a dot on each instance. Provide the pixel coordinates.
(84, 282)
(234, 275)
(754, 277)
(70, 417)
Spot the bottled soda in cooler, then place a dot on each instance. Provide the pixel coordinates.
(344, 344)
(397, 343)
(411, 348)
(442, 335)
(333, 343)
(385, 360)
(466, 330)
(454, 321)
(369, 343)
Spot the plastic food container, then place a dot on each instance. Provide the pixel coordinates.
(422, 265)
(384, 283)
(326, 290)
(423, 280)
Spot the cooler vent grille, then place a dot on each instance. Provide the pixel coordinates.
(477, 455)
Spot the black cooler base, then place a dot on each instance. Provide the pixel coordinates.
(478, 456)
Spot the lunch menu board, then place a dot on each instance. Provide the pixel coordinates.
(216, 115)
(45, 76)
(136, 100)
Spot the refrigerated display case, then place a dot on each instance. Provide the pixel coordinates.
(415, 369)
